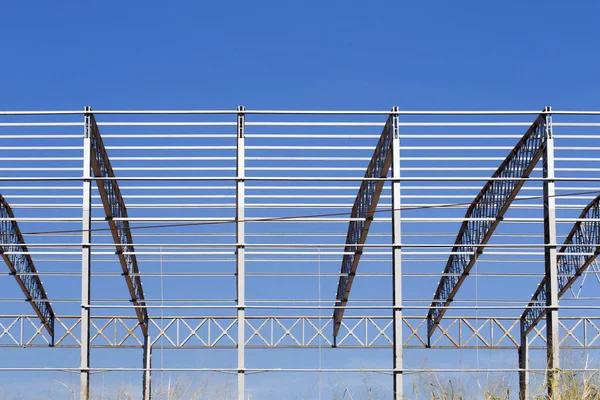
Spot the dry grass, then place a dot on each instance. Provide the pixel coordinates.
(571, 385)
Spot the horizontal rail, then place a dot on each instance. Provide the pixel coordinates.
(301, 112)
(294, 332)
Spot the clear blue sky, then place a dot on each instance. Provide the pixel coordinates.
(310, 54)
(301, 55)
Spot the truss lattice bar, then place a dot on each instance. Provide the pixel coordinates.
(579, 251)
(266, 332)
(490, 204)
(363, 210)
(116, 215)
(21, 266)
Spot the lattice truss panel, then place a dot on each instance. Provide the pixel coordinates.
(294, 332)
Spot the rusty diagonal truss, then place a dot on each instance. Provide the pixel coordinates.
(16, 256)
(116, 216)
(487, 211)
(362, 213)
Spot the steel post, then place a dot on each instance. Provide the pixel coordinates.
(523, 364)
(147, 383)
(86, 240)
(240, 253)
(396, 260)
(550, 260)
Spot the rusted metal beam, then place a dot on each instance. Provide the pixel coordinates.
(116, 216)
(21, 266)
(362, 213)
(484, 215)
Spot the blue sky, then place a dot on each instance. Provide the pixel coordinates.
(311, 54)
(302, 55)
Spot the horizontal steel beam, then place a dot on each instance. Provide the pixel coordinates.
(363, 212)
(491, 203)
(21, 266)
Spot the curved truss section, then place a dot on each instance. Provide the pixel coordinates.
(116, 215)
(581, 248)
(362, 213)
(21, 266)
(484, 215)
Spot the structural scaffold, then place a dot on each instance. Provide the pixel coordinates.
(258, 231)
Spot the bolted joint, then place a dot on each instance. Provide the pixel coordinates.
(396, 131)
(241, 122)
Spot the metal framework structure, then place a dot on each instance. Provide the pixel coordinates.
(296, 332)
(15, 254)
(579, 251)
(484, 215)
(116, 216)
(362, 213)
(241, 219)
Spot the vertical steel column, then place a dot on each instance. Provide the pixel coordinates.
(147, 384)
(523, 364)
(550, 260)
(240, 252)
(397, 260)
(86, 240)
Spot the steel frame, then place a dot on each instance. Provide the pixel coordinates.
(484, 215)
(245, 185)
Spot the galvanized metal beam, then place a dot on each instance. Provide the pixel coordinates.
(523, 364)
(21, 266)
(240, 235)
(397, 262)
(147, 383)
(550, 280)
(116, 214)
(86, 248)
(483, 217)
(550, 260)
(362, 213)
